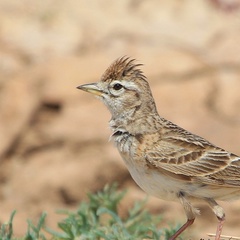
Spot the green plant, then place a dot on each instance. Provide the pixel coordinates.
(6, 230)
(97, 219)
(35, 232)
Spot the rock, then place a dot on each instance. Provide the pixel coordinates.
(54, 138)
(20, 97)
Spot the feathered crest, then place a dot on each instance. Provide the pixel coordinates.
(123, 68)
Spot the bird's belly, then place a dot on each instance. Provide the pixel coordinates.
(156, 184)
(167, 188)
(149, 181)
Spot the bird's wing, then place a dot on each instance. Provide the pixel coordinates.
(230, 175)
(194, 157)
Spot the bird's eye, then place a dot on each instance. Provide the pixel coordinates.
(117, 86)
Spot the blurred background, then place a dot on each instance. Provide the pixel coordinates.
(54, 144)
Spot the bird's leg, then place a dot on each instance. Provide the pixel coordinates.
(190, 212)
(219, 228)
(180, 230)
(218, 210)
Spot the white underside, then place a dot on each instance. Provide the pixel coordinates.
(156, 184)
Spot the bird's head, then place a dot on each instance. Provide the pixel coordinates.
(123, 88)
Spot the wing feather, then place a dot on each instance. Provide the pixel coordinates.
(181, 152)
(188, 159)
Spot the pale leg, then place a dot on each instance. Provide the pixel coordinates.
(218, 210)
(190, 212)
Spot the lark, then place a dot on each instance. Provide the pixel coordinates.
(165, 160)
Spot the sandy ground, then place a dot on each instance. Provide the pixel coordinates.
(54, 139)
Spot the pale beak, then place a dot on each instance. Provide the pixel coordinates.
(91, 88)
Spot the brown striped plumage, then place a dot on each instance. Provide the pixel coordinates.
(165, 160)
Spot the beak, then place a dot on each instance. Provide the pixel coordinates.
(91, 88)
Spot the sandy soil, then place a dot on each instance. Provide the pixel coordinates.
(53, 147)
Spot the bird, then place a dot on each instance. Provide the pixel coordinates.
(164, 159)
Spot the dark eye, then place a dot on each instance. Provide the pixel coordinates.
(117, 86)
